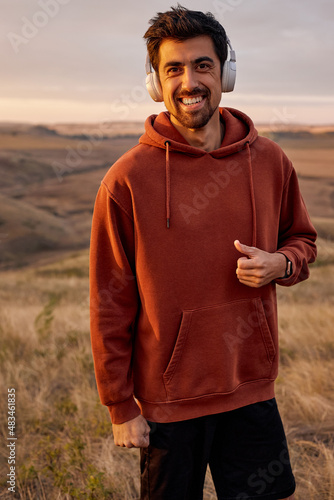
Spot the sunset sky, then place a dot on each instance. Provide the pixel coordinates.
(83, 60)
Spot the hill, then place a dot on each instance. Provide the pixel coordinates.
(49, 179)
(50, 176)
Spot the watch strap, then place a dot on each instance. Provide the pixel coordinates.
(288, 268)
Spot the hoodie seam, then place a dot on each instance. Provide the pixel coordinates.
(116, 200)
(119, 402)
(208, 395)
(288, 178)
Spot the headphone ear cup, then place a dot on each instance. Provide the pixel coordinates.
(153, 86)
(229, 76)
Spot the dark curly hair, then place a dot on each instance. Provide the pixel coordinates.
(180, 24)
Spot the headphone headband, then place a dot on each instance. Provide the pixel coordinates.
(232, 52)
(148, 65)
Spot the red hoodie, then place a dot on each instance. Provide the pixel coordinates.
(174, 334)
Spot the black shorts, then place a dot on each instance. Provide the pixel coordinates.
(246, 450)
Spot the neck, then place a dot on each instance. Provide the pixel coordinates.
(208, 137)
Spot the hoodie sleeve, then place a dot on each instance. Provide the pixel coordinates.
(113, 305)
(297, 235)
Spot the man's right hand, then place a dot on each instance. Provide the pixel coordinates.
(133, 433)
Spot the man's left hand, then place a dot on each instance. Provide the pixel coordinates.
(258, 268)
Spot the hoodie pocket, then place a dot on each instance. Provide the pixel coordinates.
(219, 348)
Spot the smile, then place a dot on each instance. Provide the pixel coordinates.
(192, 100)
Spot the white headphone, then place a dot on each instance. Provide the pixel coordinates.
(228, 76)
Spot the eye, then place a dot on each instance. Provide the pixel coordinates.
(203, 66)
(173, 70)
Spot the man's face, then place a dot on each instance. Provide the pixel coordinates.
(190, 78)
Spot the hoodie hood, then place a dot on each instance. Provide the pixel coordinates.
(239, 134)
(239, 131)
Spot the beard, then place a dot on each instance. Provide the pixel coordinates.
(193, 119)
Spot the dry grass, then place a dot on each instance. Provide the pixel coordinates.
(65, 447)
(305, 387)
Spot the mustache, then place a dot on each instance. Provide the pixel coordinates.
(195, 92)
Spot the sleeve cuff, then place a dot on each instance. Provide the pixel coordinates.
(293, 278)
(123, 411)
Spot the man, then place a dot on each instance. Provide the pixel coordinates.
(192, 229)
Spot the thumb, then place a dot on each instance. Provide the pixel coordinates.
(246, 250)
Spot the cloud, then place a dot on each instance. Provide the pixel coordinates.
(94, 51)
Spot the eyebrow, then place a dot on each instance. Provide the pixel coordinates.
(196, 61)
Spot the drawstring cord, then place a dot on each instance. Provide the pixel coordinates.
(252, 194)
(168, 193)
(167, 144)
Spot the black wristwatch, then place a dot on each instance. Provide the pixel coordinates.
(288, 269)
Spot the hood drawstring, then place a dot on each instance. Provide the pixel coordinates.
(167, 144)
(251, 184)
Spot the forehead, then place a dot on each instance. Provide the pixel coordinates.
(187, 50)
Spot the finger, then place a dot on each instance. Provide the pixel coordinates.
(244, 263)
(245, 249)
(141, 442)
(118, 443)
(257, 272)
(250, 283)
(245, 259)
(247, 277)
(255, 279)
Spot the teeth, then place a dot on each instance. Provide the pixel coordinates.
(192, 100)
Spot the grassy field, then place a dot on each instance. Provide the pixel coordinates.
(64, 447)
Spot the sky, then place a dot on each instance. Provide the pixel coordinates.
(68, 61)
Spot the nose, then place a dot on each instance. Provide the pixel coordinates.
(189, 79)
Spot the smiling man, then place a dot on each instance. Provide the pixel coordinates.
(192, 230)
(192, 88)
